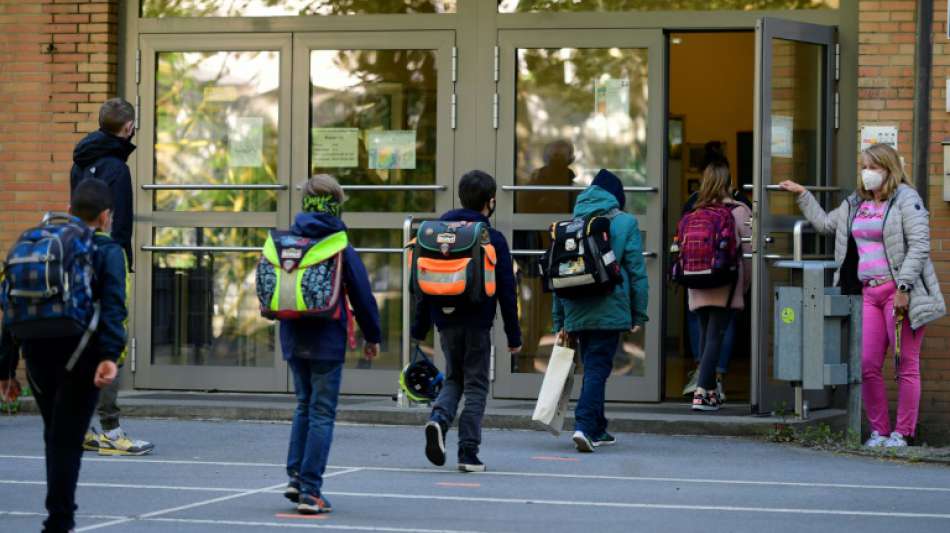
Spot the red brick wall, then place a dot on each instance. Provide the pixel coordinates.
(57, 64)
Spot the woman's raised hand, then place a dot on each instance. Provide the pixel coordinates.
(791, 186)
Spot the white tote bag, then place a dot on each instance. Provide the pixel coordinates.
(555, 391)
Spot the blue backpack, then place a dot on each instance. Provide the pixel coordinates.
(47, 283)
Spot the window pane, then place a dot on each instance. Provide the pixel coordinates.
(385, 277)
(216, 122)
(374, 122)
(577, 111)
(272, 8)
(535, 306)
(529, 6)
(204, 305)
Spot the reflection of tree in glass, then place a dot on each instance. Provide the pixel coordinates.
(221, 297)
(200, 99)
(556, 100)
(524, 6)
(224, 8)
(383, 90)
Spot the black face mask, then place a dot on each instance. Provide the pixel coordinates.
(491, 207)
(131, 135)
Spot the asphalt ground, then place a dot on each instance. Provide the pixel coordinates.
(228, 477)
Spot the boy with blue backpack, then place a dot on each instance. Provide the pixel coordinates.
(462, 270)
(63, 301)
(304, 280)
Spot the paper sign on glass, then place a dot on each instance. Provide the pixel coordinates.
(246, 142)
(782, 135)
(612, 96)
(335, 147)
(871, 135)
(392, 149)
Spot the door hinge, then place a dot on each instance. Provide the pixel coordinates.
(455, 64)
(138, 66)
(837, 61)
(132, 356)
(138, 110)
(837, 109)
(491, 365)
(454, 110)
(494, 111)
(497, 67)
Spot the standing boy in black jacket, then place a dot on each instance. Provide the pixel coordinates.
(466, 336)
(67, 398)
(102, 155)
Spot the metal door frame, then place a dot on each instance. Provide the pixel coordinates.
(262, 379)
(368, 381)
(766, 395)
(620, 388)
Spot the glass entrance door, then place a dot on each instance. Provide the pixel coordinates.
(375, 110)
(570, 103)
(794, 116)
(213, 176)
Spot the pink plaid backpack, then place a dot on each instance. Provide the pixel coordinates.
(708, 255)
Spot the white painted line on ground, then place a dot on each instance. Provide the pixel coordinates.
(633, 505)
(77, 515)
(128, 486)
(655, 479)
(304, 525)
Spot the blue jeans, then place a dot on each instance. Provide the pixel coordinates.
(597, 353)
(725, 349)
(317, 386)
(467, 364)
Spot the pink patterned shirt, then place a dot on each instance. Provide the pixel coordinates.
(868, 232)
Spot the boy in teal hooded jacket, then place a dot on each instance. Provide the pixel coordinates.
(596, 323)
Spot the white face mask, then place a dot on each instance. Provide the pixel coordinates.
(872, 179)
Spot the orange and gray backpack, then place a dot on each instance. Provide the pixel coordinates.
(452, 264)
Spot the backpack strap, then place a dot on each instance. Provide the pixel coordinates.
(613, 213)
(93, 325)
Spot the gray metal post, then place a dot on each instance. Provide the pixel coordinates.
(401, 399)
(854, 367)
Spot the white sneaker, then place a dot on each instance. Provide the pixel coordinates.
(876, 440)
(896, 441)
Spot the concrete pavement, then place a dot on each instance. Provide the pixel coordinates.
(227, 476)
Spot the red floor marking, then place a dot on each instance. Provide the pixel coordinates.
(465, 485)
(322, 516)
(553, 458)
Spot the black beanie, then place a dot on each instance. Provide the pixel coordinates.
(609, 182)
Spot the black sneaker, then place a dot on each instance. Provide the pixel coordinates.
(435, 442)
(468, 461)
(292, 492)
(705, 402)
(606, 439)
(582, 442)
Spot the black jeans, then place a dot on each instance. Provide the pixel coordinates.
(467, 359)
(67, 401)
(108, 408)
(713, 322)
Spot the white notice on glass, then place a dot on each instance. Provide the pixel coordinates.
(612, 96)
(392, 149)
(335, 147)
(782, 135)
(246, 142)
(871, 135)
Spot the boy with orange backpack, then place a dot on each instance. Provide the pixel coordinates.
(462, 269)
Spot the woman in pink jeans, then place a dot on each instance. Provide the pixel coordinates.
(882, 249)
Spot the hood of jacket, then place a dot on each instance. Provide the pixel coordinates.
(316, 225)
(467, 215)
(99, 144)
(594, 200)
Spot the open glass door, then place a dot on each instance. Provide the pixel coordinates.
(572, 102)
(794, 137)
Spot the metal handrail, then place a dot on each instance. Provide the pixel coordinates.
(797, 238)
(541, 252)
(812, 188)
(569, 188)
(213, 187)
(234, 249)
(785, 257)
(401, 398)
(389, 187)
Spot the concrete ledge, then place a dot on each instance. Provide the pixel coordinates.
(673, 418)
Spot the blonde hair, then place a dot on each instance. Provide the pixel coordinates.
(322, 184)
(715, 185)
(887, 158)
